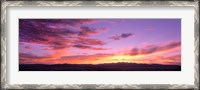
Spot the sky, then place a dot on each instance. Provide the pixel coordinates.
(98, 41)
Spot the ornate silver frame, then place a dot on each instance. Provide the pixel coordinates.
(5, 4)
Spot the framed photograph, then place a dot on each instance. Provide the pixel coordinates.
(100, 45)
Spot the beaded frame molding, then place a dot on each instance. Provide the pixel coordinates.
(5, 4)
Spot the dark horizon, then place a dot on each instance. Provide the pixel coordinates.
(99, 67)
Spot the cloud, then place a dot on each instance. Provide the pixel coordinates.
(123, 35)
(150, 49)
(59, 33)
(86, 31)
(30, 56)
(89, 41)
(134, 51)
(171, 45)
(157, 48)
(100, 48)
(167, 60)
(55, 37)
(28, 47)
(173, 59)
(32, 32)
(103, 29)
(82, 46)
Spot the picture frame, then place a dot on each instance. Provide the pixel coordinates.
(4, 54)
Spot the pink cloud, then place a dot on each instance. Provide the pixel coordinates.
(150, 49)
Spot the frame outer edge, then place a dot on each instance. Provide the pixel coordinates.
(196, 26)
(3, 44)
(97, 3)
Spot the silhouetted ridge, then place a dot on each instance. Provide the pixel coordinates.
(99, 67)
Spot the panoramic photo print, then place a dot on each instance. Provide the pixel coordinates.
(99, 44)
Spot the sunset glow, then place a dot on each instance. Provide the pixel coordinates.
(99, 41)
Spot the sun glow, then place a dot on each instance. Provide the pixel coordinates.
(120, 58)
(126, 57)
